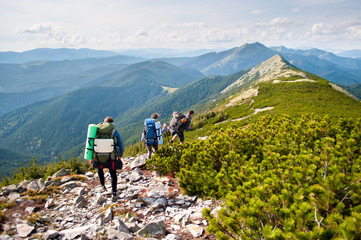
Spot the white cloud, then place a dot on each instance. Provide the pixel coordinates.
(348, 30)
(257, 12)
(49, 35)
(322, 29)
(116, 24)
(281, 21)
(44, 28)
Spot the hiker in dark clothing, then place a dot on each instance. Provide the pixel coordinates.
(186, 125)
(112, 170)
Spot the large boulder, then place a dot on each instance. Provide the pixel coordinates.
(195, 230)
(152, 229)
(10, 189)
(72, 233)
(50, 234)
(24, 230)
(139, 162)
(61, 173)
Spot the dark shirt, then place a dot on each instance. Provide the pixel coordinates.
(186, 126)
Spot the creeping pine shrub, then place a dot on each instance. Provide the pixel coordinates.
(280, 178)
(166, 159)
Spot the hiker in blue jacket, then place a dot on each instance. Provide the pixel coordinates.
(149, 136)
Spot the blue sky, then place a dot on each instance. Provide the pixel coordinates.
(181, 24)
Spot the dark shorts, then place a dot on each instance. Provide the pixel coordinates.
(149, 147)
(179, 133)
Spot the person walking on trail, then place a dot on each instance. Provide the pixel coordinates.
(108, 156)
(149, 135)
(179, 123)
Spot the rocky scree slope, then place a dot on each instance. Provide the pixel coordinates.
(148, 207)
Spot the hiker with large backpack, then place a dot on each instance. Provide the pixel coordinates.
(179, 123)
(152, 134)
(108, 150)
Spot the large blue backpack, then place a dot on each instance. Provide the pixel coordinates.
(149, 131)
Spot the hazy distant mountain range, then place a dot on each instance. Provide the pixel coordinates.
(47, 105)
(26, 83)
(50, 54)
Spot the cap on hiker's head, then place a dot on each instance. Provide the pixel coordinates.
(108, 120)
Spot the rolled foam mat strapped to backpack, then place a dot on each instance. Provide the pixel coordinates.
(89, 146)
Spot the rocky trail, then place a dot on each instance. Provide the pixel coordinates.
(75, 207)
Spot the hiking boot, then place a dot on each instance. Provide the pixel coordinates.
(114, 197)
(104, 188)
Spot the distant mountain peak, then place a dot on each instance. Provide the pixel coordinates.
(271, 69)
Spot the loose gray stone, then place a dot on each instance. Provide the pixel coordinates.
(5, 237)
(133, 227)
(9, 189)
(134, 177)
(140, 161)
(178, 218)
(158, 192)
(81, 191)
(197, 216)
(13, 196)
(41, 183)
(172, 237)
(101, 222)
(71, 185)
(115, 234)
(108, 215)
(33, 185)
(74, 232)
(24, 230)
(100, 200)
(50, 234)
(160, 203)
(66, 179)
(89, 174)
(152, 229)
(121, 226)
(195, 230)
(79, 202)
(61, 173)
(78, 191)
(149, 201)
(50, 203)
(84, 237)
(122, 186)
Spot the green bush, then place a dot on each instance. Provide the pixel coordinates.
(166, 159)
(281, 177)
